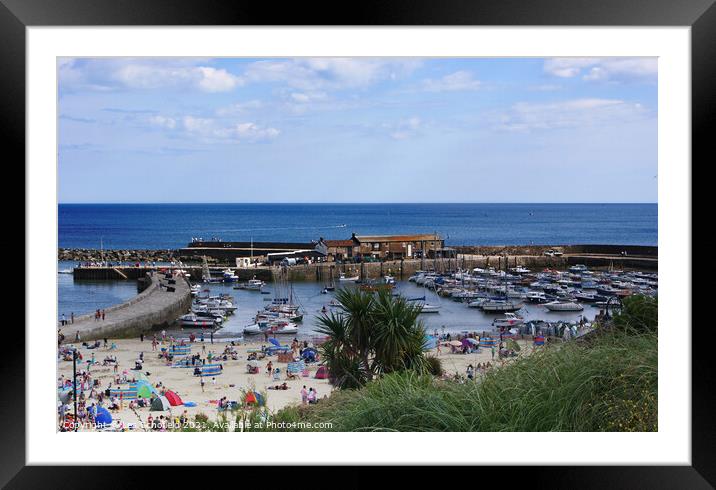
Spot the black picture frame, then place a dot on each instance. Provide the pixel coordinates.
(700, 15)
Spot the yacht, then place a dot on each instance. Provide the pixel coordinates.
(428, 308)
(509, 320)
(501, 306)
(343, 278)
(563, 306)
(229, 276)
(271, 327)
(536, 297)
(193, 320)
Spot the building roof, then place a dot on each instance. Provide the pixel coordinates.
(396, 238)
(338, 243)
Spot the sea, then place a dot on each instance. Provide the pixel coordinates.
(170, 226)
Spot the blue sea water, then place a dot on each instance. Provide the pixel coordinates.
(164, 226)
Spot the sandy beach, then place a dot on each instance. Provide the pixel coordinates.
(230, 383)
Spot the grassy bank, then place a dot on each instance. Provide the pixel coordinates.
(608, 384)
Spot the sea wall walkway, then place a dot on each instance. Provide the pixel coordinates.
(153, 308)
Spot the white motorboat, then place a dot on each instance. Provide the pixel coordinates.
(563, 306)
(509, 320)
(343, 278)
(271, 327)
(229, 276)
(428, 308)
(578, 268)
(520, 270)
(389, 280)
(536, 297)
(193, 320)
(195, 289)
(501, 306)
(251, 285)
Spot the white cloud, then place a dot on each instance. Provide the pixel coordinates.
(458, 81)
(240, 108)
(602, 69)
(209, 129)
(163, 122)
(406, 128)
(146, 74)
(526, 116)
(213, 80)
(319, 74)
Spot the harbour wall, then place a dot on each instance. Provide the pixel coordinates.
(400, 269)
(155, 307)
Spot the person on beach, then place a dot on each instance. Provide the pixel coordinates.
(492, 349)
(63, 320)
(202, 384)
(312, 396)
(164, 336)
(470, 372)
(212, 336)
(77, 336)
(269, 368)
(102, 315)
(304, 395)
(72, 317)
(154, 343)
(141, 337)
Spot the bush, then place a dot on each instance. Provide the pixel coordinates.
(608, 385)
(434, 365)
(639, 314)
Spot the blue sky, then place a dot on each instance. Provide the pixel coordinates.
(357, 130)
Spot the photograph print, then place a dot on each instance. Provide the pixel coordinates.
(357, 244)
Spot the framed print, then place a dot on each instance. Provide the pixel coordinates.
(290, 237)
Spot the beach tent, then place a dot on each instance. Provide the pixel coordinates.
(159, 404)
(512, 344)
(103, 417)
(430, 342)
(250, 398)
(309, 354)
(539, 340)
(144, 389)
(322, 373)
(173, 398)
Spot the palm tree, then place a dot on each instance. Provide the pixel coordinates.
(374, 334)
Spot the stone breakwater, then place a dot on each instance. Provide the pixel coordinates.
(96, 255)
(157, 306)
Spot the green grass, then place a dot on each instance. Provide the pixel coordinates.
(607, 384)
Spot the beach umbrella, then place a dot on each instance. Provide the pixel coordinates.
(103, 417)
(275, 342)
(253, 363)
(455, 343)
(514, 330)
(473, 341)
(259, 399)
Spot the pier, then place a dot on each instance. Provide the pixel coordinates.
(156, 306)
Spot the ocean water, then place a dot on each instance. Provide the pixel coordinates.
(165, 226)
(82, 297)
